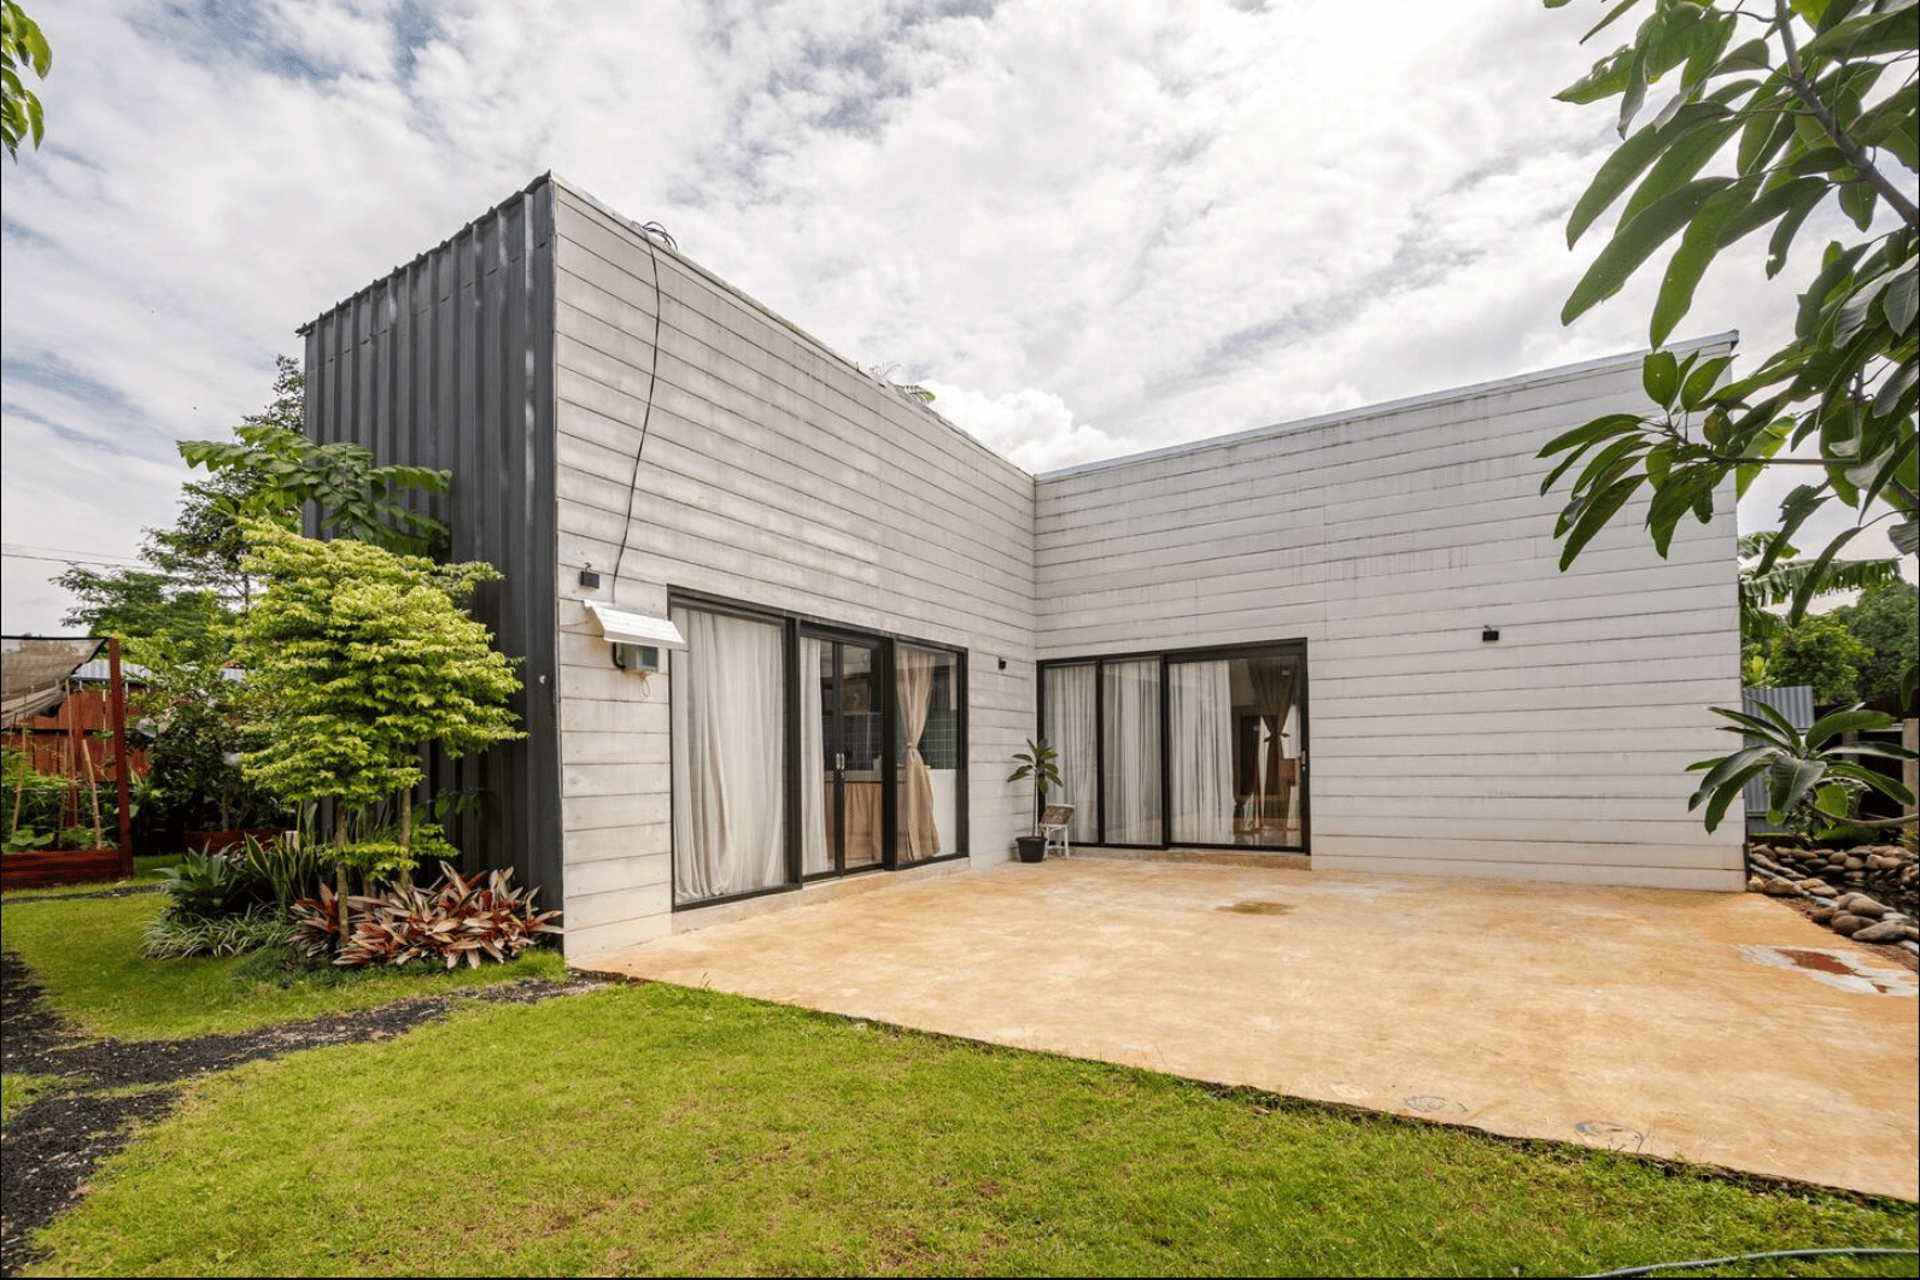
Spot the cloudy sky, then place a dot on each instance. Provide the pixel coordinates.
(1090, 228)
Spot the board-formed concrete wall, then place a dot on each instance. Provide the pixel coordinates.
(775, 473)
(1387, 538)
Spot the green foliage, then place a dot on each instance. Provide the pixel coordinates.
(209, 887)
(1817, 107)
(1041, 763)
(1886, 620)
(196, 784)
(22, 47)
(1813, 106)
(287, 868)
(359, 657)
(271, 471)
(1783, 583)
(1811, 784)
(1820, 652)
(177, 935)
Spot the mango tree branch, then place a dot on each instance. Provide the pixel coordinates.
(1855, 154)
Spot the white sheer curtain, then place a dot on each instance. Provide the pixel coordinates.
(1069, 693)
(1201, 710)
(1132, 693)
(729, 724)
(815, 853)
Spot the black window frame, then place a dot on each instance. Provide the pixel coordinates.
(1296, 649)
(792, 626)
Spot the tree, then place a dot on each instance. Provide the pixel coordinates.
(1817, 106)
(360, 657)
(1886, 620)
(22, 47)
(1821, 652)
(1814, 106)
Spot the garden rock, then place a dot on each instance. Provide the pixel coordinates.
(1881, 931)
(1849, 924)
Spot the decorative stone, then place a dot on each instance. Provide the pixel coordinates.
(1862, 905)
(1881, 931)
(1781, 889)
(1849, 924)
(1854, 864)
(1815, 885)
(1821, 915)
(1756, 884)
(1882, 862)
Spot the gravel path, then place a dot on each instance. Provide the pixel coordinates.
(51, 1146)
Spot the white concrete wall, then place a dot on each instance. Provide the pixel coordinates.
(777, 474)
(1386, 539)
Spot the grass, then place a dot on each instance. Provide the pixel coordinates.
(146, 870)
(650, 1129)
(18, 1089)
(85, 953)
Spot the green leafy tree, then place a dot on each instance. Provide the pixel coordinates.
(22, 48)
(1818, 651)
(1802, 105)
(1760, 593)
(361, 657)
(1886, 620)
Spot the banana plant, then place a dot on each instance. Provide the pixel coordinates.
(1810, 784)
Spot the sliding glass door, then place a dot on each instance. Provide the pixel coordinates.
(1199, 747)
(803, 750)
(1236, 750)
(842, 754)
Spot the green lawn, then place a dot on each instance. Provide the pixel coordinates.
(86, 954)
(650, 1129)
(17, 1089)
(657, 1129)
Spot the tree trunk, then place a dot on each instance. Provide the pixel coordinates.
(406, 838)
(340, 876)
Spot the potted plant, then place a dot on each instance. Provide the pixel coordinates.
(1041, 763)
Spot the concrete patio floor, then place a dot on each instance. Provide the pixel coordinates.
(1649, 1020)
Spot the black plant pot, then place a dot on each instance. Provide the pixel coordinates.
(1032, 848)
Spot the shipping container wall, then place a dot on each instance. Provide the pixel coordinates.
(448, 362)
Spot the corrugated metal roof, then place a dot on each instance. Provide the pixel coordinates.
(1795, 703)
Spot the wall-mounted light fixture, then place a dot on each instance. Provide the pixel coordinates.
(589, 579)
(637, 641)
(1488, 635)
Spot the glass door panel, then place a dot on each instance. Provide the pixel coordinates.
(1235, 754)
(860, 759)
(841, 824)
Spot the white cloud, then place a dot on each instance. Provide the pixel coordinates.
(1092, 228)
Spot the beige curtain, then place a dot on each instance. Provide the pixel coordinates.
(916, 697)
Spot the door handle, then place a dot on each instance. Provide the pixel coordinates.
(840, 761)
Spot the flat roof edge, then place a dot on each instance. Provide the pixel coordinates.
(1515, 382)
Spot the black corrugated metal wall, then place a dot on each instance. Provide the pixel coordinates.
(449, 362)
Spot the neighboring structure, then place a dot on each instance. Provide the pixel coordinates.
(1346, 638)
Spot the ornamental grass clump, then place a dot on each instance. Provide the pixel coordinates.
(459, 918)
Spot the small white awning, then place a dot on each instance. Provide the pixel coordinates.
(635, 628)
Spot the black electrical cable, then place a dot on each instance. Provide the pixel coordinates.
(1749, 1257)
(649, 231)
